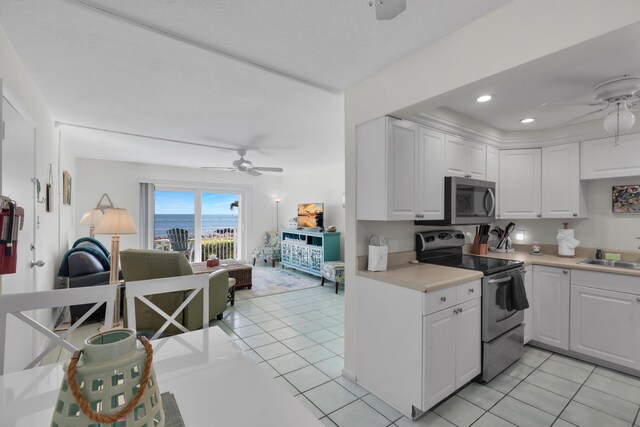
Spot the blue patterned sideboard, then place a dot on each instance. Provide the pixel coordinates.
(306, 250)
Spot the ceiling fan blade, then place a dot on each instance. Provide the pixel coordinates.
(575, 104)
(579, 118)
(220, 168)
(265, 169)
(252, 172)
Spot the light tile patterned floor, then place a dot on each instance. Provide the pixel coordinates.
(298, 338)
(304, 353)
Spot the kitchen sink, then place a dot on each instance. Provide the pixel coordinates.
(614, 264)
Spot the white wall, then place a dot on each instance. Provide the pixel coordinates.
(322, 186)
(488, 47)
(54, 227)
(602, 229)
(121, 181)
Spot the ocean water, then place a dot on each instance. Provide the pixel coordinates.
(210, 223)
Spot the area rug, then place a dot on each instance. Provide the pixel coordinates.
(267, 280)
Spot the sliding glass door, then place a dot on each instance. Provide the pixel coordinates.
(210, 219)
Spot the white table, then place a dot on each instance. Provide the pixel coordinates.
(212, 381)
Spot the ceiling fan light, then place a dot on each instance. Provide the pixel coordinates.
(619, 121)
(484, 98)
(527, 120)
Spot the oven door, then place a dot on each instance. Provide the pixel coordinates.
(496, 319)
(471, 201)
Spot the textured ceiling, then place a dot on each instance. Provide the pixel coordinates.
(99, 70)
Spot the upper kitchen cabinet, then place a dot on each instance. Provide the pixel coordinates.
(601, 158)
(430, 174)
(386, 175)
(520, 185)
(465, 158)
(399, 171)
(493, 171)
(563, 194)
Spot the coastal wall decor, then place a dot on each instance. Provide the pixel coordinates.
(66, 188)
(626, 199)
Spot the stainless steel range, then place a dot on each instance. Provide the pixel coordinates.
(502, 301)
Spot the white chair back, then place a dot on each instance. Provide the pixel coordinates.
(141, 288)
(18, 304)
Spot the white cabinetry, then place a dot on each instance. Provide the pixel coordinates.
(399, 171)
(430, 170)
(601, 158)
(452, 350)
(551, 289)
(493, 171)
(520, 186)
(563, 194)
(465, 158)
(438, 351)
(529, 322)
(605, 317)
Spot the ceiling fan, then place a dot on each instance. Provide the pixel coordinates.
(619, 96)
(246, 166)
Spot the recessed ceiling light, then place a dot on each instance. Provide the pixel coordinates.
(527, 120)
(484, 98)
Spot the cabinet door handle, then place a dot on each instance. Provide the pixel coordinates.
(471, 290)
(638, 299)
(539, 215)
(460, 310)
(443, 299)
(565, 271)
(575, 214)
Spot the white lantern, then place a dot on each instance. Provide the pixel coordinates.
(110, 383)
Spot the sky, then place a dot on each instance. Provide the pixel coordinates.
(181, 202)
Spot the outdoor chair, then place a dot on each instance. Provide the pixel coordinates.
(179, 242)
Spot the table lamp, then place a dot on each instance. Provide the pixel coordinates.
(116, 221)
(92, 218)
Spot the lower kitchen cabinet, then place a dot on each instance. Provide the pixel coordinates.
(416, 348)
(452, 350)
(605, 314)
(551, 290)
(529, 322)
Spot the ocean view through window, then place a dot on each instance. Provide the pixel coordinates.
(210, 219)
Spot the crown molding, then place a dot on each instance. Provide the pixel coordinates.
(522, 139)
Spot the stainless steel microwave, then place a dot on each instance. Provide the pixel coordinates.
(466, 201)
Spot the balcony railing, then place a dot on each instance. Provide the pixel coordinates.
(221, 243)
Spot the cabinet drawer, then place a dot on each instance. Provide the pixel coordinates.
(439, 300)
(468, 291)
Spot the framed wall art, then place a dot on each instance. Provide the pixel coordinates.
(626, 199)
(66, 188)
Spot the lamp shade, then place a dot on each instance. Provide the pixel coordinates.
(91, 217)
(116, 221)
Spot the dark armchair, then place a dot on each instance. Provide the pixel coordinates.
(85, 264)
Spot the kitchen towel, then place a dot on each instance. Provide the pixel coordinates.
(517, 299)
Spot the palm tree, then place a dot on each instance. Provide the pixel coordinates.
(234, 204)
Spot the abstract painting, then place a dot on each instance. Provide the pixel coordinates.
(626, 199)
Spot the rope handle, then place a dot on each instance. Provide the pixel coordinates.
(84, 405)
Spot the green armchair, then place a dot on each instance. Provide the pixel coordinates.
(140, 264)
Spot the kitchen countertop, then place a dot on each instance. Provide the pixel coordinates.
(422, 277)
(429, 277)
(561, 262)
